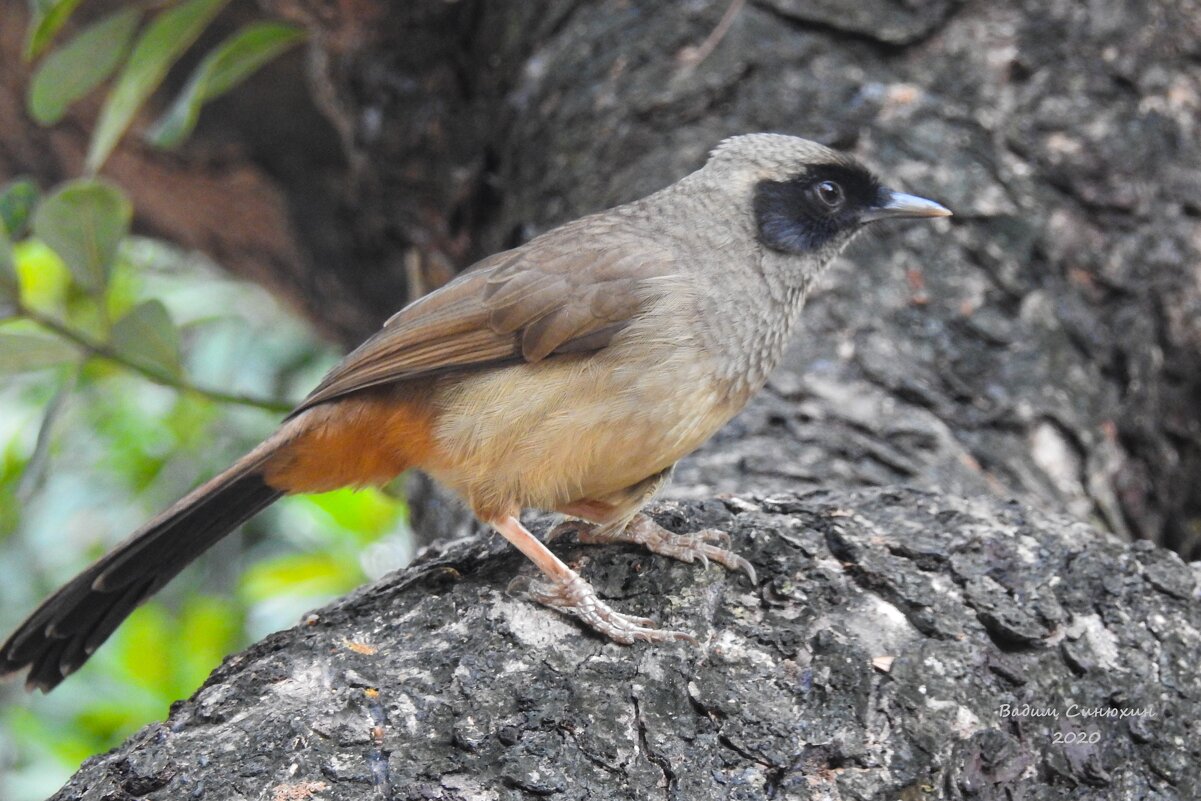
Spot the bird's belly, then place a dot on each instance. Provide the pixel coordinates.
(571, 428)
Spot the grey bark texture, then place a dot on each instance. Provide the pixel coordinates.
(900, 644)
(1043, 346)
(1048, 340)
(1046, 343)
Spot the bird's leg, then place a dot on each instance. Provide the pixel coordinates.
(702, 546)
(566, 591)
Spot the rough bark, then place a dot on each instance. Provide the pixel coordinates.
(1045, 344)
(899, 644)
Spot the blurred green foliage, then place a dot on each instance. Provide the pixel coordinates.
(136, 46)
(104, 421)
(130, 372)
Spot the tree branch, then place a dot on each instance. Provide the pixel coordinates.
(101, 350)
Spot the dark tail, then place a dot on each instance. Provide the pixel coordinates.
(65, 630)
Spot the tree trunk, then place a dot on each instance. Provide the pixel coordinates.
(899, 644)
(1044, 345)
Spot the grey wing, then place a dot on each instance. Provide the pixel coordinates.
(569, 291)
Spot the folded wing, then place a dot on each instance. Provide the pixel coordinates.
(569, 291)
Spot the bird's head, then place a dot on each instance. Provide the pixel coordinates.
(806, 199)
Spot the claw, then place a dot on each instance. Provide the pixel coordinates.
(575, 596)
(703, 546)
(563, 589)
(729, 560)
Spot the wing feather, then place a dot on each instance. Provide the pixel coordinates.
(569, 291)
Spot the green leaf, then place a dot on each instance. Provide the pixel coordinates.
(147, 631)
(20, 353)
(297, 574)
(82, 64)
(42, 276)
(10, 288)
(365, 514)
(226, 66)
(46, 22)
(209, 631)
(17, 199)
(164, 41)
(84, 222)
(148, 336)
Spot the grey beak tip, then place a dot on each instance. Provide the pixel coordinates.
(901, 205)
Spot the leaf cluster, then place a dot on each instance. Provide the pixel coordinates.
(131, 371)
(140, 46)
(111, 351)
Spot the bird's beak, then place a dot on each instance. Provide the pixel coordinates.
(901, 205)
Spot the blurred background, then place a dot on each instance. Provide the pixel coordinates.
(131, 369)
(91, 449)
(204, 202)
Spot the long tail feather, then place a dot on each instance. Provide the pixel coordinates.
(65, 630)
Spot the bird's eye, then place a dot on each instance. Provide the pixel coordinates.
(830, 194)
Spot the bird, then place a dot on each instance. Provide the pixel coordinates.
(568, 374)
